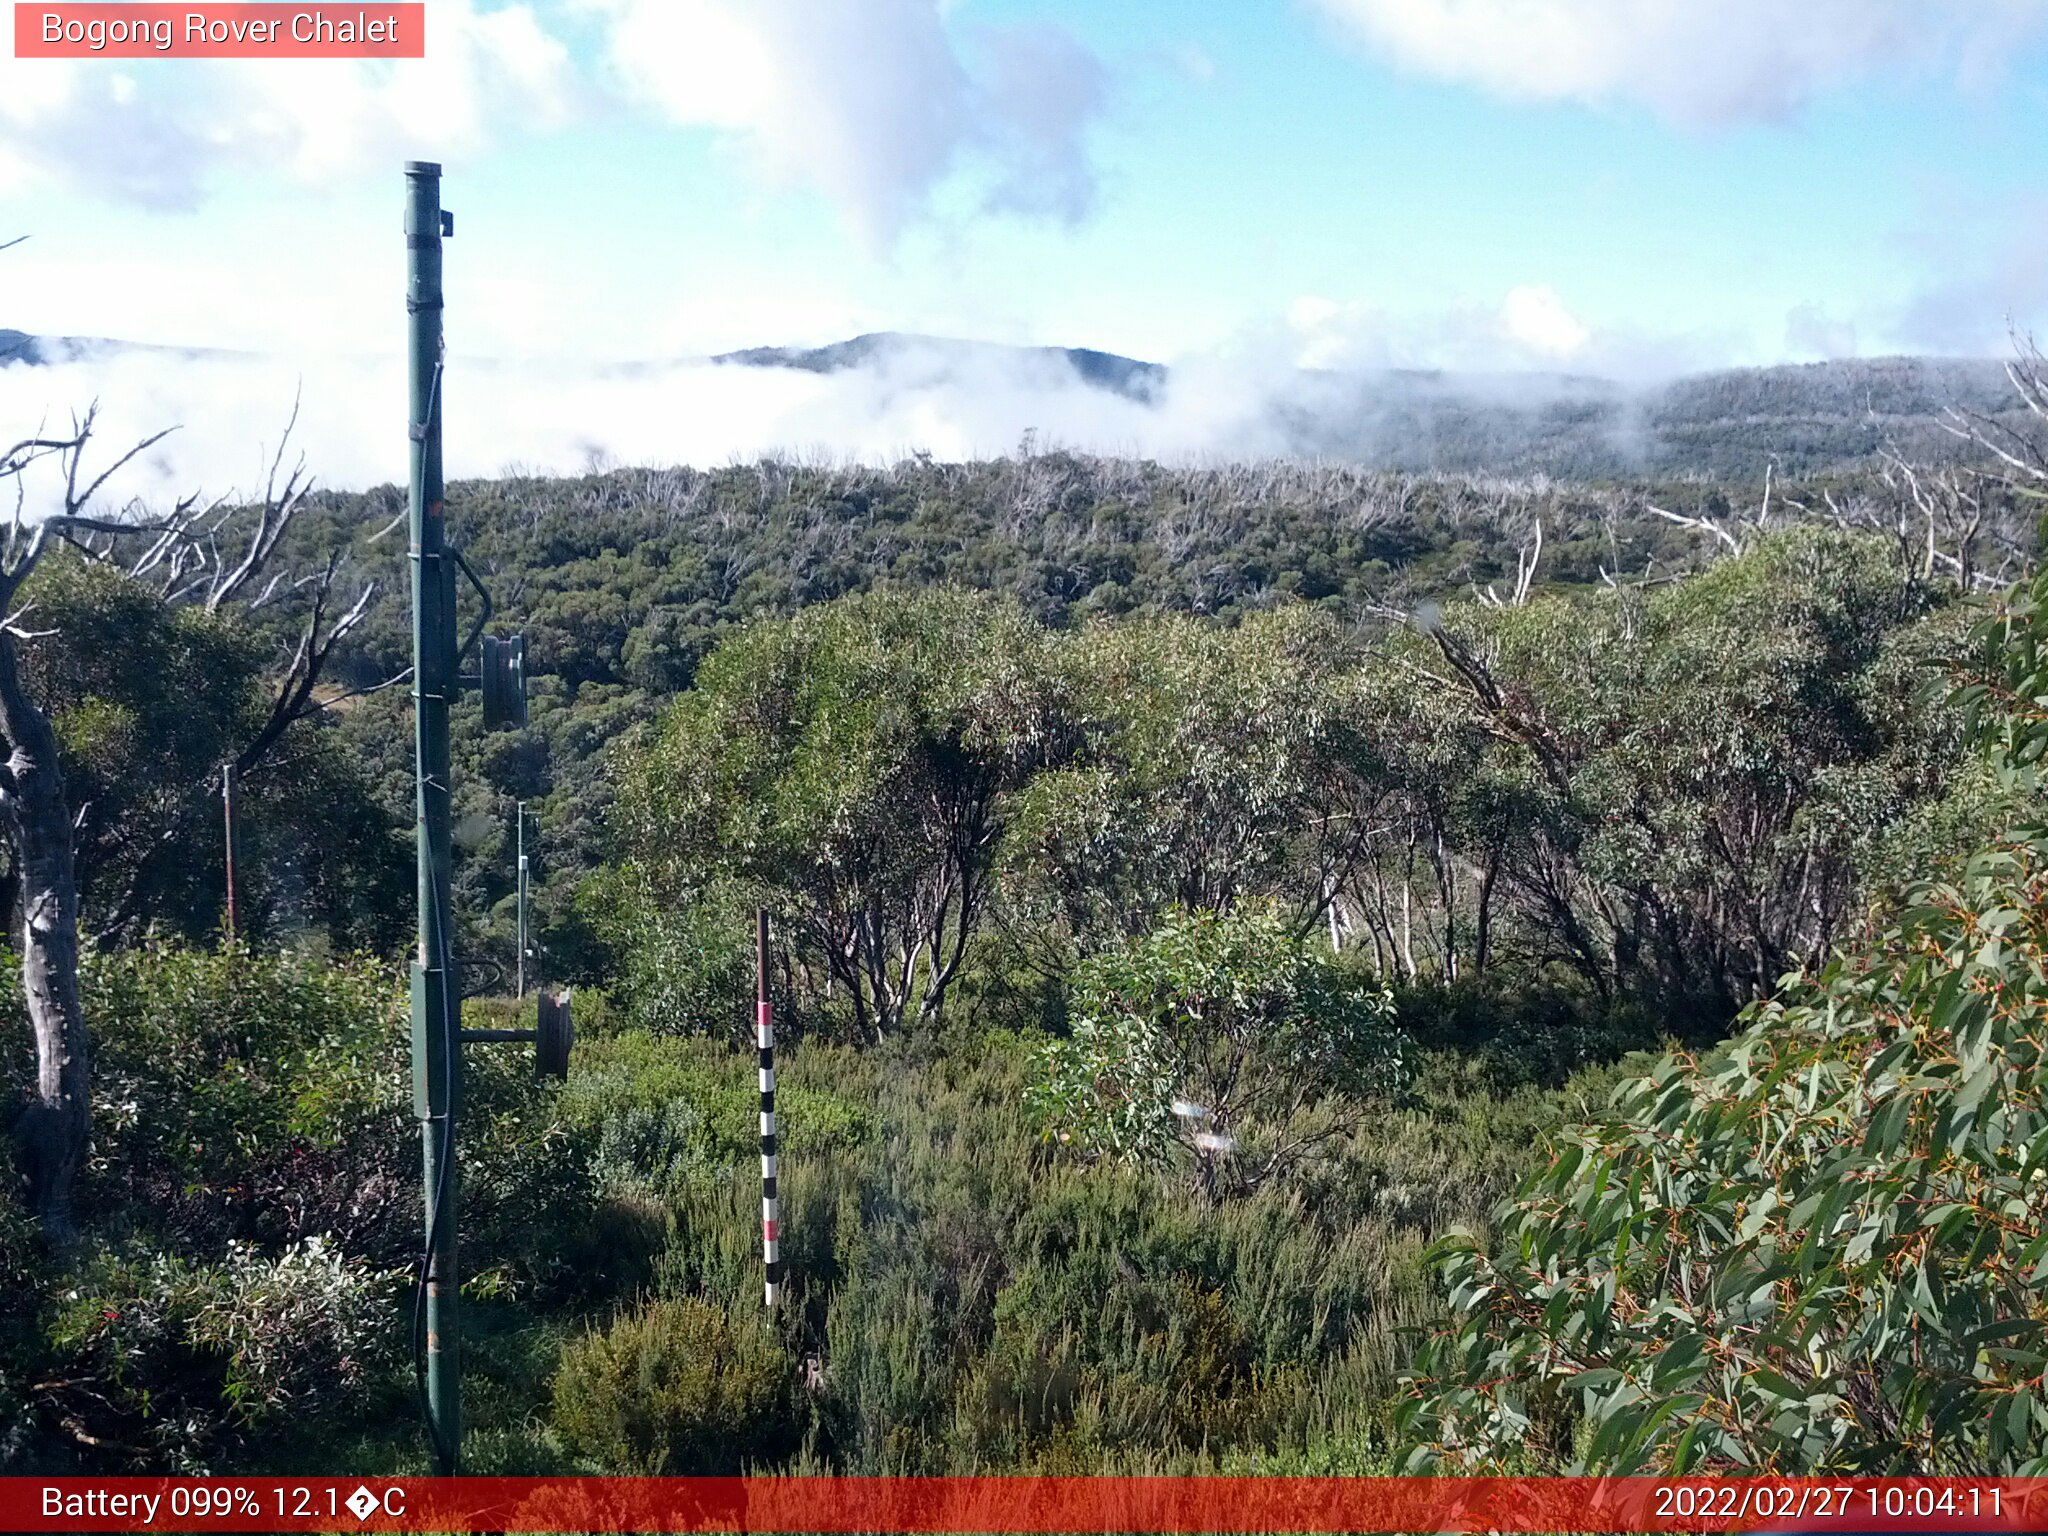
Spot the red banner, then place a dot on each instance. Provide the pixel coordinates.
(236, 30)
(1023, 1504)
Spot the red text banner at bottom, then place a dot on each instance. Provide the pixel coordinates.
(1024, 1504)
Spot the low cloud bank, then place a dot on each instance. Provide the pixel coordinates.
(567, 419)
(960, 402)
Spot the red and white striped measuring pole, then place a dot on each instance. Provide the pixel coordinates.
(764, 1040)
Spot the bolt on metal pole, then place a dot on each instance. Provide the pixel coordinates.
(227, 803)
(521, 964)
(436, 1012)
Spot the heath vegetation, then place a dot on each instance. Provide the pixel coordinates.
(1281, 967)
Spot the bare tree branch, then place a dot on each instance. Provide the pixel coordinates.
(274, 515)
(1702, 522)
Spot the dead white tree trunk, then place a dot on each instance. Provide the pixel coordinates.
(1408, 910)
(182, 550)
(53, 1132)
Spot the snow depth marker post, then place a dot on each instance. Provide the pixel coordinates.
(764, 1041)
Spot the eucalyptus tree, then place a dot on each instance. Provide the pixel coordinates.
(215, 559)
(149, 699)
(1214, 763)
(854, 766)
(1692, 776)
(1424, 891)
(1817, 1248)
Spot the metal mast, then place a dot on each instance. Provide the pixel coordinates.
(436, 1012)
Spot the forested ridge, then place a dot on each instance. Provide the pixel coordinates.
(1199, 896)
(624, 581)
(1830, 417)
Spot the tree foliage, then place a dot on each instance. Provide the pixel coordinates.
(149, 699)
(853, 764)
(1663, 798)
(1819, 1247)
(1210, 763)
(1684, 787)
(625, 581)
(1215, 1042)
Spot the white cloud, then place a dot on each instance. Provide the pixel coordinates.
(1982, 262)
(1042, 90)
(1694, 61)
(559, 418)
(1813, 332)
(161, 132)
(1531, 327)
(1535, 318)
(1330, 334)
(874, 103)
(1238, 401)
(871, 102)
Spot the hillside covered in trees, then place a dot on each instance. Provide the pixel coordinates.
(1243, 935)
(1732, 424)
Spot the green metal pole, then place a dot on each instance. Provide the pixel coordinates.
(436, 1010)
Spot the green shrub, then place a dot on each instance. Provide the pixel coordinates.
(1816, 1249)
(1218, 1041)
(181, 1357)
(677, 1388)
(1085, 1357)
(1540, 1029)
(207, 1060)
(997, 1309)
(530, 1204)
(895, 1340)
(264, 1097)
(256, 1200)
(669, 1116)
(24, 1273)
(244, 1094)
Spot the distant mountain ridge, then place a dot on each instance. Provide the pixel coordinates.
(1733, 423)
(1103, 370)
(27, 347)
(1798, 418)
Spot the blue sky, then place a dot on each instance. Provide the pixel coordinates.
(1237, 159)
(1630, 187)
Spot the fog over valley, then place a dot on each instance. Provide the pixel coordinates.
(883, 397)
